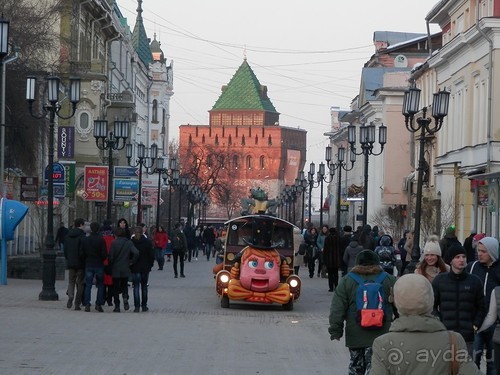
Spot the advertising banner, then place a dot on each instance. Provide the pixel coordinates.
(96, 183)
(58, 178)
(292, 166)
(69, 167)
(125, 189)
(66, 142)
(29, 189)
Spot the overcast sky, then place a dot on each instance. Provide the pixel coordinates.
(309, 54)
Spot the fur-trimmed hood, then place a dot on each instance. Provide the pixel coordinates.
(373, 269)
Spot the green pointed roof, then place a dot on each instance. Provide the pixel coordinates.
(140, 40)
(244, 92)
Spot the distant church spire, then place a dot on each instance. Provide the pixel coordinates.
(140, 39)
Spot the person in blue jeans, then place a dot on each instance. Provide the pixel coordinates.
(94, 250)
(141, 269)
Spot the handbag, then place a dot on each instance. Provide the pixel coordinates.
(454, 365)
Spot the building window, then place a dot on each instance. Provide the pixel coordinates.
(256, 139)
(155, 111)
(262, 162)
(230, 140)
(203, 139)
(226, 119)
(243, 140)
(235, 162)
(84, 125)
(249, 162)
(216, 139)
(247, 120)
(269, 140)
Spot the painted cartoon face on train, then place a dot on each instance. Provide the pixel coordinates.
(260, 269)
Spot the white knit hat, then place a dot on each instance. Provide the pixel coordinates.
(432, 246)
(413, 295)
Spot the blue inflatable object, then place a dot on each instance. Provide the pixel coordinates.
(11, 214)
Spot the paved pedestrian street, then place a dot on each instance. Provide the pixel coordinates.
(185, 332)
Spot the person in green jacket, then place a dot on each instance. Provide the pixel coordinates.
(417, 342)
(343, 308)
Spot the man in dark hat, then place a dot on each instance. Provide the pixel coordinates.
(449, 239)
(458, 296)
(359, 340)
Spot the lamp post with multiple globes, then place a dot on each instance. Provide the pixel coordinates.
(424, 125)
(52, 108)
(145, 158)
(339, 165)
(113, 141)
(367, 140)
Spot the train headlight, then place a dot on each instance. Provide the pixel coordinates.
(224, 278)
(295, 284)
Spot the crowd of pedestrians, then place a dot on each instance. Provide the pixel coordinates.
(451, 302)
(114, 258)
(450, 305)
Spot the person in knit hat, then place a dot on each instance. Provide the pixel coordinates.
(448, 240)
(359, 340)
(417, 332)
(458, 297)
(487, 269)
(431, 262)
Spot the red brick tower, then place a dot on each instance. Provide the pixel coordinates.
(244, 131)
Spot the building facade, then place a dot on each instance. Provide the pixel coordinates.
(252, 148)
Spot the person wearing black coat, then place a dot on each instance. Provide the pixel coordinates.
(458, 297)
(141, 269)
(95, 253)
(190, 234)
(332, 258)
(75, 263)
(122, 254)
(345, 240)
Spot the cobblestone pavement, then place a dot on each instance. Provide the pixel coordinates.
(185, 332)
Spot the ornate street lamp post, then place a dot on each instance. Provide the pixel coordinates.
(302, 184)
(183, 184)
(194, 195)
(146, 159)
(114, 141)
(411, 102)
(339, 165)
(322, 178)
(52, 108)
(312, 184)
(171, 180)
(4, 60)
(366, 139)
(163, 173)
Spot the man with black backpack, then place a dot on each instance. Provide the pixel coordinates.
(363, 299)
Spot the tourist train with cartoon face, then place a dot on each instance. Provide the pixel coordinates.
(258, 261)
